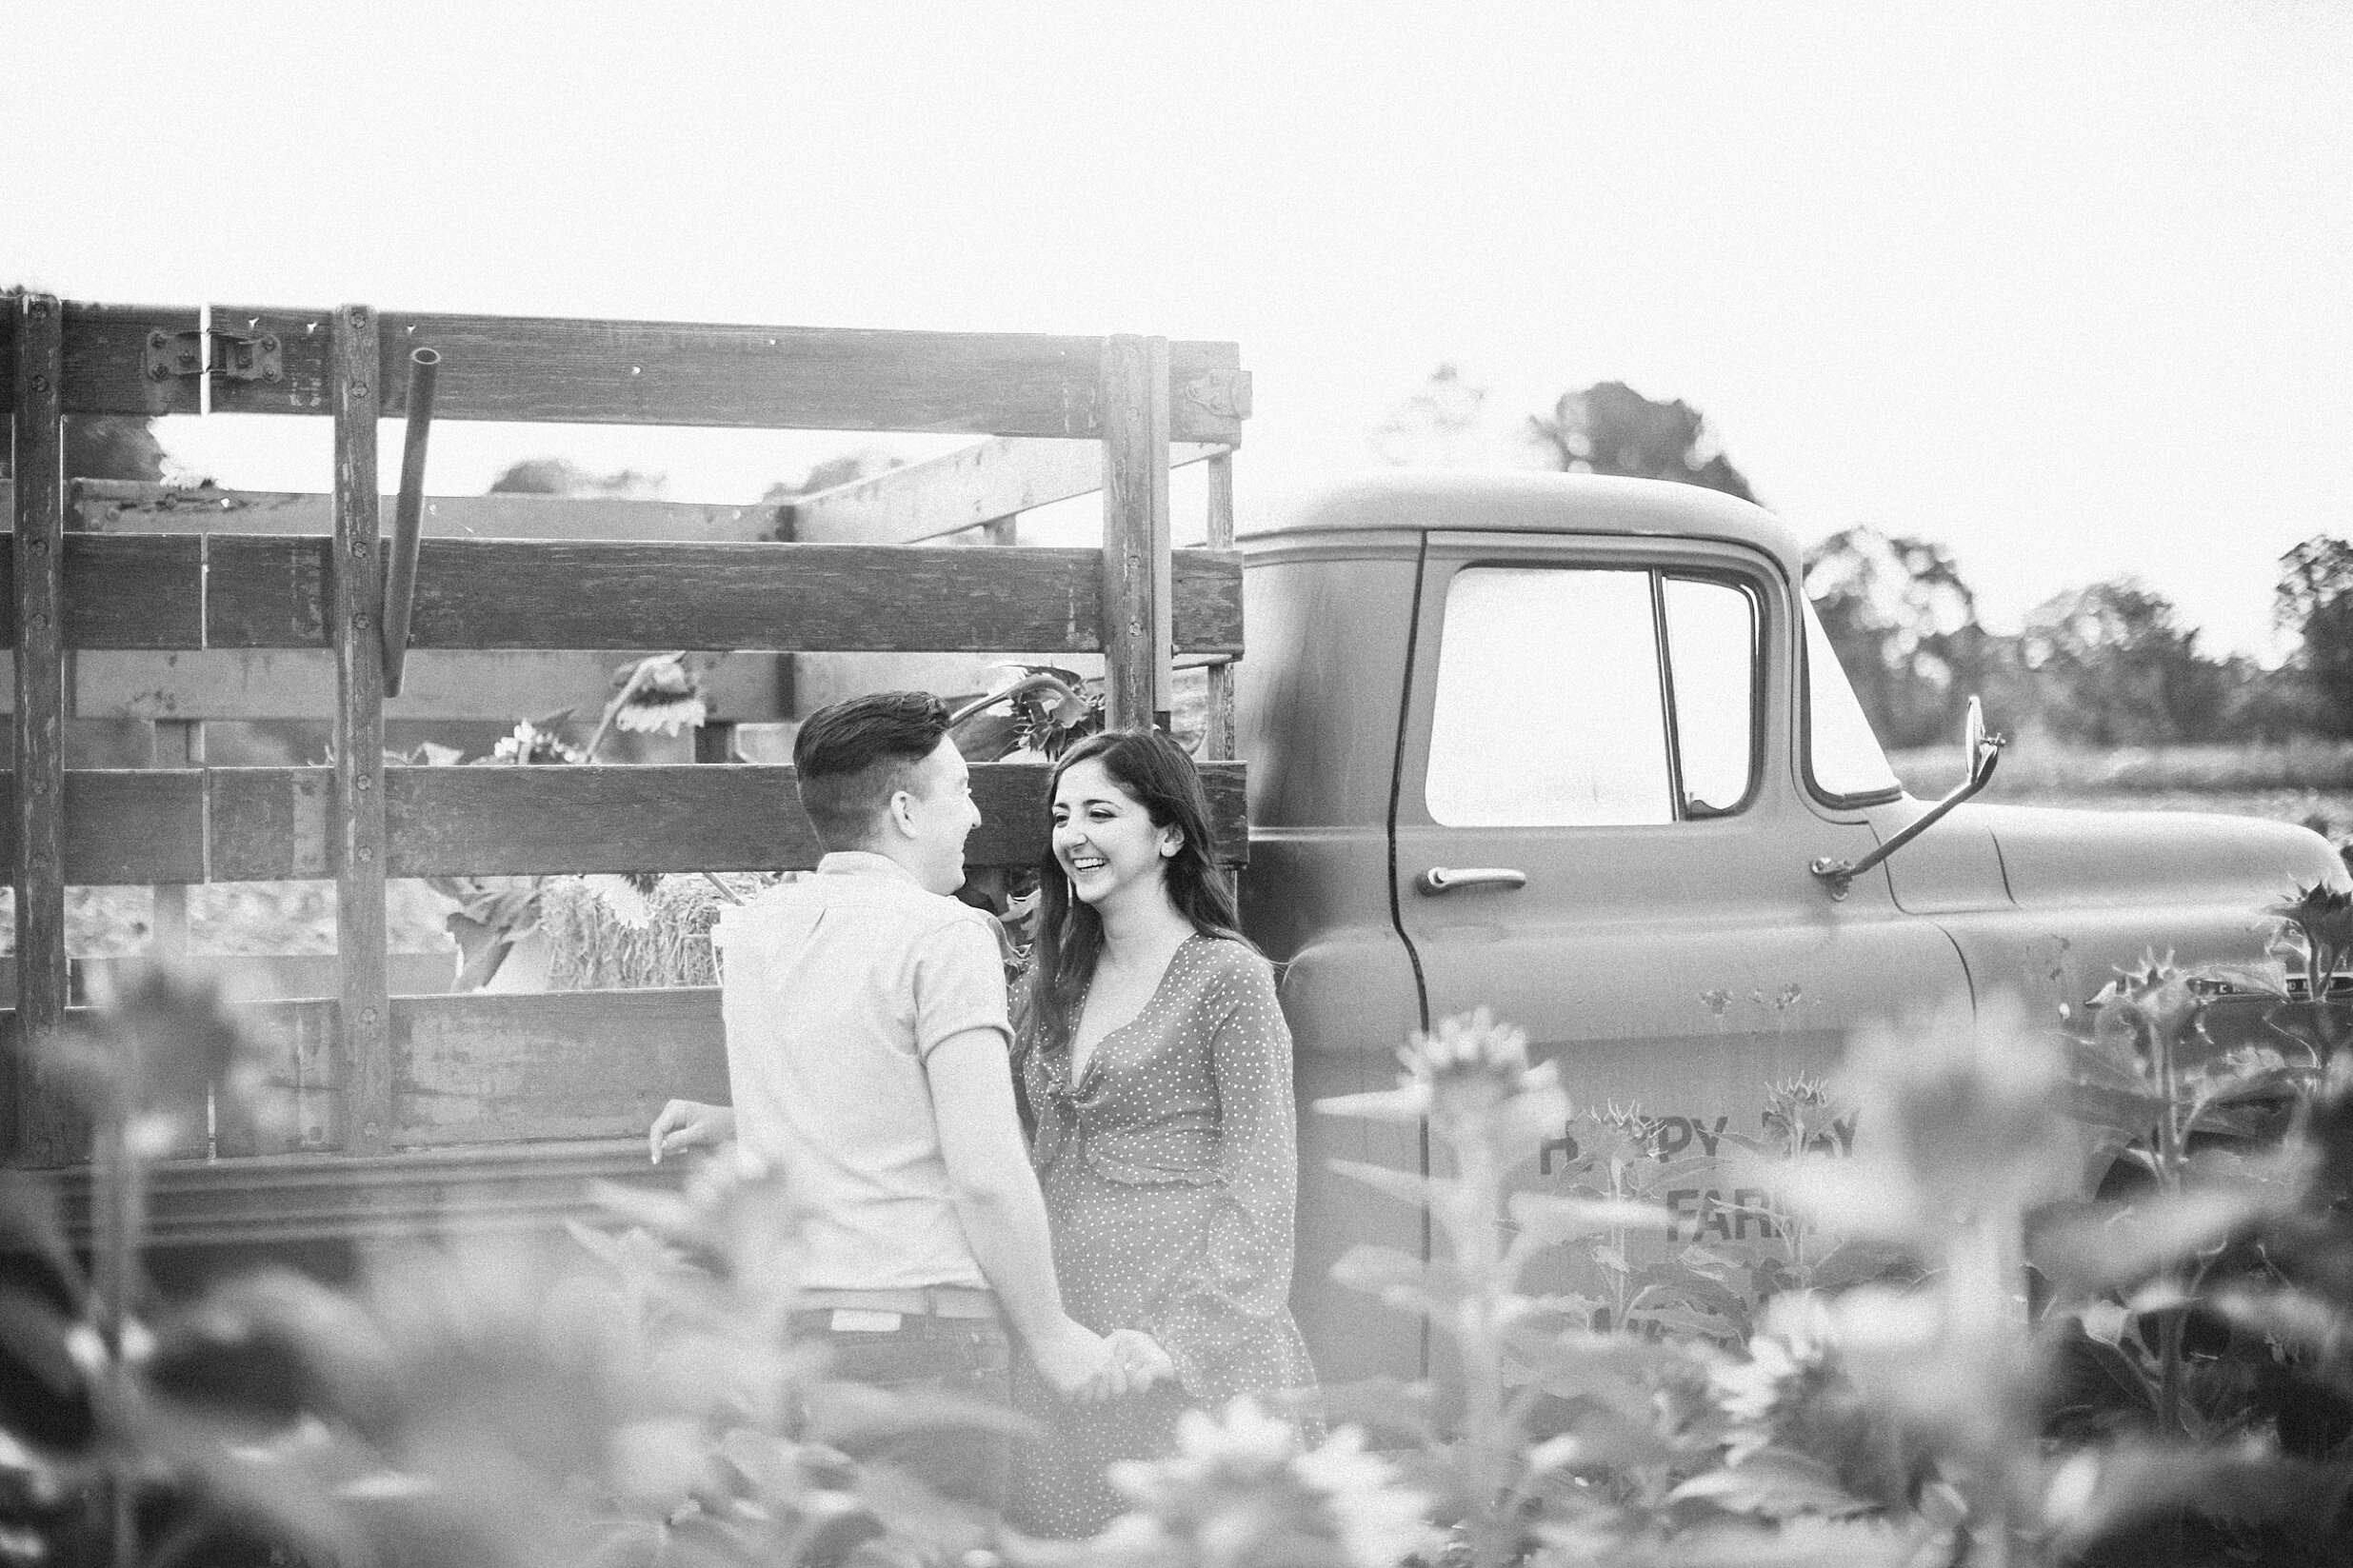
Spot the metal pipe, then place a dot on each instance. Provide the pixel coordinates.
(1840, 875)
(401, 575)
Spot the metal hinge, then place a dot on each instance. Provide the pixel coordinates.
(234, 356)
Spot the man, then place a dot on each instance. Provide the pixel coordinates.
(867, 1040)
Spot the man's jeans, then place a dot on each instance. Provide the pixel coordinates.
(965, 1357)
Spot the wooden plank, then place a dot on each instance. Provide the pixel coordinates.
(123, 592)
(1221, 740)
(125, 825)
(479, 1069)
(1138, 592)
(356, 807)
(483, 1190)
(627, 372)
(469, 1069)
(99, 506)
(300, 1104)
(171, 743)
(133, 825)
(294, 1103)
(247, 684)
(104, 355)
(962, 490)
(689, 816)
(267, 824)
(46, 1130)
(262, 591)
(850, 598)
(269, 592)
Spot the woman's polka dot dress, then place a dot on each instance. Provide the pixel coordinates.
(1171, 1175)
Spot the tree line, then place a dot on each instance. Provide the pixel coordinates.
(2108, 663)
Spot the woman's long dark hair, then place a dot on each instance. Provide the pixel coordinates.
(1154, 771)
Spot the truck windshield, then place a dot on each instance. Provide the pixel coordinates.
(1842, 753)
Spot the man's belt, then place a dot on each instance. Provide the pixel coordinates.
(936, 1302)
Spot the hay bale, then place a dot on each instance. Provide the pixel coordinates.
(593, 947)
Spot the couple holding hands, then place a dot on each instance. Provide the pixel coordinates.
(1140, 1250)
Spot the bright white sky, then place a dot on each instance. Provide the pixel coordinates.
(2063, 286)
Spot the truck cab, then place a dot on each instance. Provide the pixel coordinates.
(1570, 748)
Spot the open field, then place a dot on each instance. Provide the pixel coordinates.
(2040, 768)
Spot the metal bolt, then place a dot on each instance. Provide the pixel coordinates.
(39, 618)
(359, 315)
(155, 338)
(367, 783)
(359, 391)
(159, 373)
(367, 855)
(40, 546)
(40, 307)
(361, 621)
(368, 1130)
(368, 1015)
(359, 548)
(40, 384)
(40, 786)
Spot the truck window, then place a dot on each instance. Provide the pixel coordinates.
(1551, 704)
(1842, 753)
(1712, 648)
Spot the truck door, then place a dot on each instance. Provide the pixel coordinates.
(1602, 824)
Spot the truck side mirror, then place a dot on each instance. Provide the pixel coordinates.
(1982, 751)
(1979, 751)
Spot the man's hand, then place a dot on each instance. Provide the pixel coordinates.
(687, 1124)
(1140, 1359)
(1078, 1364)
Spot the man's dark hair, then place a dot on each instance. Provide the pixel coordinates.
(853, 756)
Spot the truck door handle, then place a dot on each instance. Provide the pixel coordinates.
(1445, 879)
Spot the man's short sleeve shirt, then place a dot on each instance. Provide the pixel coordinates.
(834, 990)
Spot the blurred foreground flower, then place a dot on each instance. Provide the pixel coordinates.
(1242, 1492)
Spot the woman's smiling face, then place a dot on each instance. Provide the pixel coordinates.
(1104, 838)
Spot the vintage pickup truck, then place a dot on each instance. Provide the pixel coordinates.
(1569, 747)
(1572, 748)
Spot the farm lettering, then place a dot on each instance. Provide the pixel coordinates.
(1708, 1214)
(1700, 1213)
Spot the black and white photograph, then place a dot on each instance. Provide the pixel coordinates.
(1554, 785)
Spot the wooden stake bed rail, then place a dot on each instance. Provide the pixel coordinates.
(641, 372)
(143, 825)
(386, 1113)
(155, 591)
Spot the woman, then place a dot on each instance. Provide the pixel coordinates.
(1158, 1066)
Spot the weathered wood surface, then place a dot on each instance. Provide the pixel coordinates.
(232, 684)
(600, 372)
(1223, 739)
(133, 825)
(961, 490)
(475, 1070)
(260, 591)
(44, 1128)
(1138, 594)
(104, 351)
(488, 1189)
(100, 505)
(465, 1068)
(356, 828)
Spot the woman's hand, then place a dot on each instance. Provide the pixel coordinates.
(1140, 1358)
